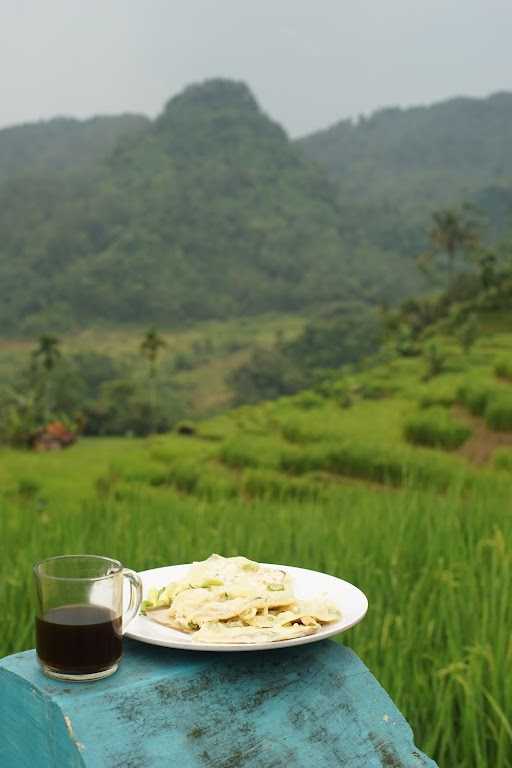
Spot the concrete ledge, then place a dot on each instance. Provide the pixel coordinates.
(315, 705)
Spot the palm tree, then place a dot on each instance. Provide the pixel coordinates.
(452, 232)
(48, 350)
(150, 348)
(487, 262)
(47, 353)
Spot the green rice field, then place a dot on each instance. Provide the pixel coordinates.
(422, 524)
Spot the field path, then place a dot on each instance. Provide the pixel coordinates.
(483, 442)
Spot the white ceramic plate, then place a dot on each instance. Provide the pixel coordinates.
(349, 599)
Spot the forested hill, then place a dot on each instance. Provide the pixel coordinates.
(209, 212)
(464, 143)
(401, 163)
(62, 144)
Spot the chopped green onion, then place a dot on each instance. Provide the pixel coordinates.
(250, 567)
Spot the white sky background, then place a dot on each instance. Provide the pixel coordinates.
(309, 62)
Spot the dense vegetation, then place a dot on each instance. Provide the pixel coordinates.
(149, 387)
(113, 383)
(383, 452)
(397, 165)
(209, 211)
(62, 144)
(480, 278)
(328, 482)
(336, 336)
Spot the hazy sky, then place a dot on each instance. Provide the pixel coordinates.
(309, 62)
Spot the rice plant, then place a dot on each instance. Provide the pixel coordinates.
(243, 451)
(475, 396)
(503, 369)
(437, 571)
(498, 413)
(503, 459)
(436, 428)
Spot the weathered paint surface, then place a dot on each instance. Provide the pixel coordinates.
(313, 705)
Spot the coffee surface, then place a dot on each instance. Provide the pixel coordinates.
(79, 639)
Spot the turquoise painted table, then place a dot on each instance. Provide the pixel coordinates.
(315, 705)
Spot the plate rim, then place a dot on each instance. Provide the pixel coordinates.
(267, 646)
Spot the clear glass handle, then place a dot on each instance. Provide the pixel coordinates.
(135, 596)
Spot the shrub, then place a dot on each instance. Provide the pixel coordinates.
(435, 359)
(374, 463)
(345, 400)
(503, 369)
(249, 451)
(143, 473)
(298, 430)
(105, 484)
(336, 390)
(215, 484)
(184, 361)
(197, 479)
(299, 461)
(186, 428)
(87, 371)
(433, 472)
(468, 333)
(185, 475)
(406, 345)
(28, 488)
(435, 428)
(498, 413)
(267, 375)
(20, 418)
(294, 433)
(390, 467)
(366, 462)
(308, 400)
(165, 453)
(339, 459)
(373, 390)
(503, 459)
(124, 408)
(475, 397)
(259, 483)
(443, 400)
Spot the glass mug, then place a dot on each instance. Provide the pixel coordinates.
(80, 618)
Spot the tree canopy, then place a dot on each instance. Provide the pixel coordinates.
(210, 211)
(398, 165)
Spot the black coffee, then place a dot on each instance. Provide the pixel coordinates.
(79, 639)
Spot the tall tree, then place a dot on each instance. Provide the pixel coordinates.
(45, 358)
(150, 348)
(453, 232)
(487, 262)
(468, 333)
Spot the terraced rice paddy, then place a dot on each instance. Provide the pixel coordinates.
(424, 531)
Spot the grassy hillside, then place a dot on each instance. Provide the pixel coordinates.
(335, 480)
(195, 360)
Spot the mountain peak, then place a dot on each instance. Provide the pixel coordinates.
(217, 114)
(217, 93)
